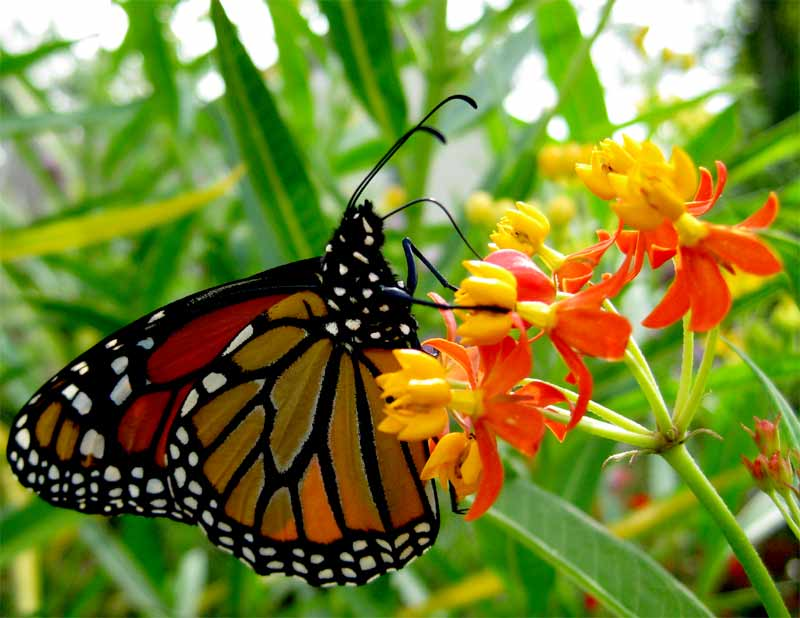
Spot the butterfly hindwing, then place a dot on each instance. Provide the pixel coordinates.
(280, 463)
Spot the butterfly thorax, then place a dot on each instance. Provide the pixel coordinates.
(354, 275)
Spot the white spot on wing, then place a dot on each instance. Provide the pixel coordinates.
(154, 486)
(119, 364)
(214, 381)
(23, 438)
(239, 339)
(156, 316)
(146, 343)
(122, 390)
(70, 391)
(93, 444)
(353, 324)
(360, 257)
(82, 403)
(189, 402)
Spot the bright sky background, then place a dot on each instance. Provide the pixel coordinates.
(681, 25)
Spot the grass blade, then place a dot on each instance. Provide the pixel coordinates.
(95, 227)
(276, 168)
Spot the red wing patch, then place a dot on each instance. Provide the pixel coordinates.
(198, 342)
(140, 423)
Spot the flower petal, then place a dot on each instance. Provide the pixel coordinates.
(580, 376)
(492, 475)
(508, 369)
(447, 315)
(520, 425)
(532, 283)
(742, 249)
(764, 216)
(709, 296)
(673, 306)
(456, 352)
(594, 332)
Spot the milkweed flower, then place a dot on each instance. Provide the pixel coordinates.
(523, 228)
(647, 187)
(455, 459)
(489, 408)
(702, 248)
(419, 393)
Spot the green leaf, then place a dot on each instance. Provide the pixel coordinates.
(620, 575)
(276, 168)
(17, 63)
(33, 525)
(491, 83)
(293, 63)
(122, 569)
(361, 36)
(19, 126)
(785, 148)
(94, 227)
(790, 421)
(147, 32)
(560, 37)
(190, 582)
(715, 140)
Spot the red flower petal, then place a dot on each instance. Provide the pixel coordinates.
(532, 283)
(594, 332)
(459, 355)
(491, 476)
(703, 202)
(580, 376)
(764, 216)
(674, 304)
(519, 425)
(661, 244)
(447, 315)
(709, 296)
(508, 368)
(742, 249)
(578, 267)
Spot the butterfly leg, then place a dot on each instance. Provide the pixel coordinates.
(411, 251)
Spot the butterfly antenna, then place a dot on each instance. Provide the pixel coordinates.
(444, 209)
(421, 126)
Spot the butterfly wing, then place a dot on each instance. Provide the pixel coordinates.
(276, 456)
(94, 437)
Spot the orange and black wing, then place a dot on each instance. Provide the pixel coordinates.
(94, 437)
(275, 454)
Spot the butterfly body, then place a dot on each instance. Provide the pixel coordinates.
(250, 410)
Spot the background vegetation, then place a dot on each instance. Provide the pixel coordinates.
(119, 192)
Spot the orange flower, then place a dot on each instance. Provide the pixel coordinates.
(702, 248)
(577, 327)
(490, 409)
(577, 268)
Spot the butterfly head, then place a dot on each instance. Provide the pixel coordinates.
(354, 273)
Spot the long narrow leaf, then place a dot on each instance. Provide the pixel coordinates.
(97, 227)
(18, 126)
(33, 525)
(621, 576)
(122, 569)
(276, 168)
(790, 421)
(17, 63)
(360, 34)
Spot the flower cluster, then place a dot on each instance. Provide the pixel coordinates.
(474, 386)
(772, 468)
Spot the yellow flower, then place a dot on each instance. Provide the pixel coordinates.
(419, 393)
(493, 286)
(561, 210)
(557, 161)
(457, 460)
(648, 188)
(523, 228)
(394, 197)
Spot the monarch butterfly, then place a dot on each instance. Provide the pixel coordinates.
(250, 409)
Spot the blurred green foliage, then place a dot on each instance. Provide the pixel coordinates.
(135, 126)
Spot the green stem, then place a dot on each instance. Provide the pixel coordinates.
(637, 365)
(607, 414)
(787, 516)
(687, 364)
(686, 467)
(683, 416)
(604, 430)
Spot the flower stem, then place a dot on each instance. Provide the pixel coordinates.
(637, 365)
(605, 430)
(686, 467)
(684, 415)
(793, 525)
(687, 364)
(607, 414)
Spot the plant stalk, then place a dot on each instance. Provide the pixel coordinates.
(686, 467)
(684, 416)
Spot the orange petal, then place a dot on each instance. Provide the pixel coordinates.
(519, 425)
(594, 332)
(709, 296)
(742, 249)
(704, 200)
(447, 315)
(532, 283)
(509, 369)
(674, 304)
(491, 476)
(458, 353)
(764, 216)
(580, 376)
